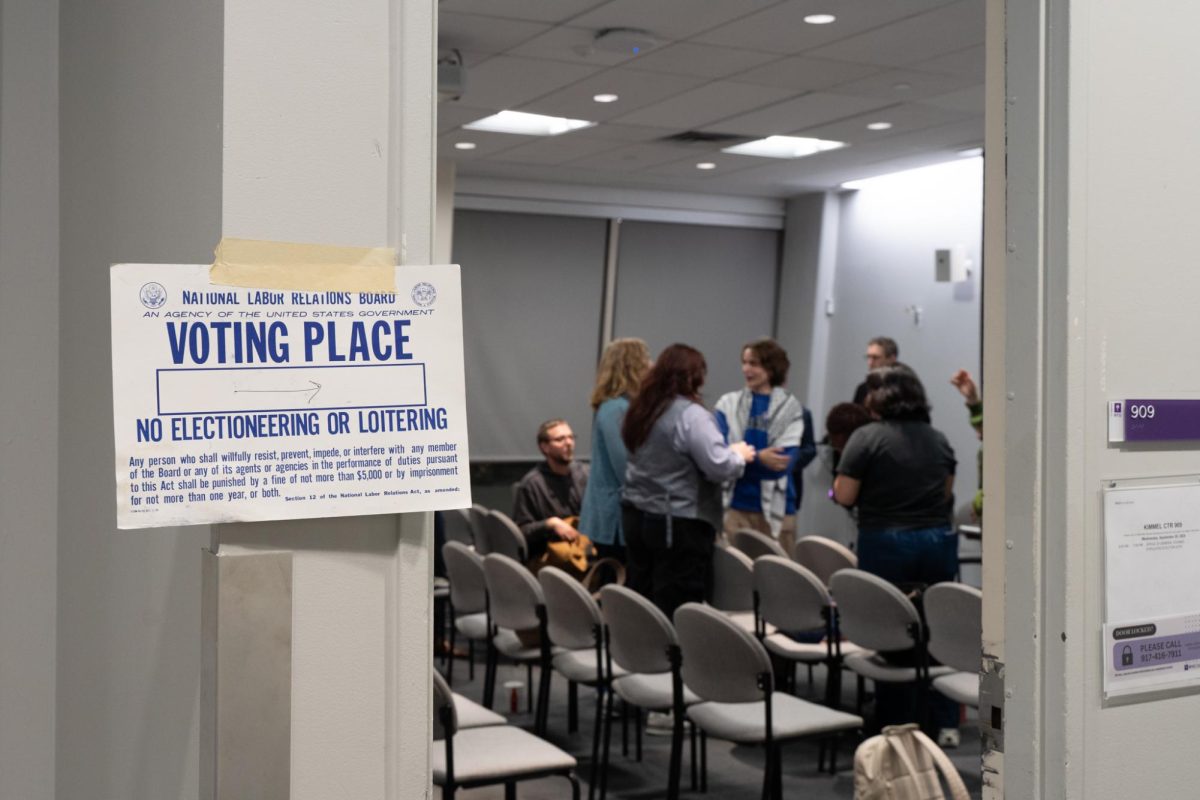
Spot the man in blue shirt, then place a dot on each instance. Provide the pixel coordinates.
(770, 418)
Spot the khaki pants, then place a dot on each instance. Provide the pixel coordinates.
(735, 519)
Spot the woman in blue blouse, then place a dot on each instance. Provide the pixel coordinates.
(621, 368)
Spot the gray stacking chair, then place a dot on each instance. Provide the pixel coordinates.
(824, 556)
(730, 670)
(503, 536)
(472, 715)
(756, 544)
(458, 526)
(475, 514)
(954, 612)
(875, 615)
(641, 642)
(468, 602)
(516, 603)
(733, 586)
(791, 598)
(489, 755)
(574, 623)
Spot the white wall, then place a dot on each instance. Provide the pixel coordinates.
(1101, 303)
(887, 233)
(29, 340)
(141, 177)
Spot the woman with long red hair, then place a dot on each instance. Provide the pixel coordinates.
(671, 504)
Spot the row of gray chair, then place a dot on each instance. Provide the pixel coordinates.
(822, 555)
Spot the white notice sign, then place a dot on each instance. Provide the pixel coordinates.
(234, 404)
(1151, 552)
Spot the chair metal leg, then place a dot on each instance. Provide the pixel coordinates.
(858, 696)
(607, 723)
(470, 659)
(489, 676)
(777, 775)
(821, 755)
(542, 720)
(833, 751)
(692, 762)
(673, 767)
(574, 785)
(572, 707)
(529, 683)
(510, 790)
(596, 731)
(703, 761)
(624, 729)
(637, 734)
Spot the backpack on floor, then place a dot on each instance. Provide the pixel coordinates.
(902, 763)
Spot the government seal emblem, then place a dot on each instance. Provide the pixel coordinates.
(153, 295)
(423, 294)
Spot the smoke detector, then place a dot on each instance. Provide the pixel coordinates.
(630, 41)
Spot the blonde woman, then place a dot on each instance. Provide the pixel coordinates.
(622, 366)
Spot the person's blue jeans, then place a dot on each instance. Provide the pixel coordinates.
(910, 559)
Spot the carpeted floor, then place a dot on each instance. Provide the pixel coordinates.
(734, 772)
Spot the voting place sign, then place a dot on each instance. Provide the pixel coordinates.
(233, 404)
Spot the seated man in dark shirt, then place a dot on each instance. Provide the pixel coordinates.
(551, 491)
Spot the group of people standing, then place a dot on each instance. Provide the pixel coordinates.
(668, 474)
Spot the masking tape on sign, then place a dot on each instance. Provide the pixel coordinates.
(305, 267)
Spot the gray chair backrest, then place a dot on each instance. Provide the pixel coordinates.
(513, 593)
(954, 612)
(790, 597)
(476, 514)
(503, 536)
(874, 613)
(722, 662)
(639, 633)
(733, 580)
(755, 544)
(458, 526)
(464, 569)
(443, 705)
(572, 614)
(824, 556)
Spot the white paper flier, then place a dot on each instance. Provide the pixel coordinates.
(233, 404)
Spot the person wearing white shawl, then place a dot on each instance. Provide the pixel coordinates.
(770, 418)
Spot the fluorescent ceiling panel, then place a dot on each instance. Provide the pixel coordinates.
(526, 124)
(783, 147)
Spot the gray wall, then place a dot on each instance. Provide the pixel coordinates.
(141, 181)
(887, 233)
(29, 339)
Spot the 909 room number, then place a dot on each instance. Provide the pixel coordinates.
(1141, 412)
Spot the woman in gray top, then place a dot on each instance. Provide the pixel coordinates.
(671, 503)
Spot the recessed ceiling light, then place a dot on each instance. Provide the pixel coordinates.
(605, 98)
(970, 152)
(902, 86)
(521, 122)
(706, 165)
(820, 19)
(464, 145)
(878, 126)
(783, 147)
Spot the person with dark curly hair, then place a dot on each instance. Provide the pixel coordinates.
(898, 471)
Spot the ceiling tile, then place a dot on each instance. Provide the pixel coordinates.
(971, 99)
(669, 19)
(705, 61)
(557, 149)
(506, 81)
(570, 44)
(686, 167)
(967, 63)
(904, 118)
(632, 157)
(626, 133)
(781, 28)
(805, 74)
(796, 114)
(882, 85)
(486, 144)
(539, 10)
(635, 89)
(705, 104)
(934, 33)
(484, 34)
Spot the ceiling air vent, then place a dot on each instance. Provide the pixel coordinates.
(705, 139)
